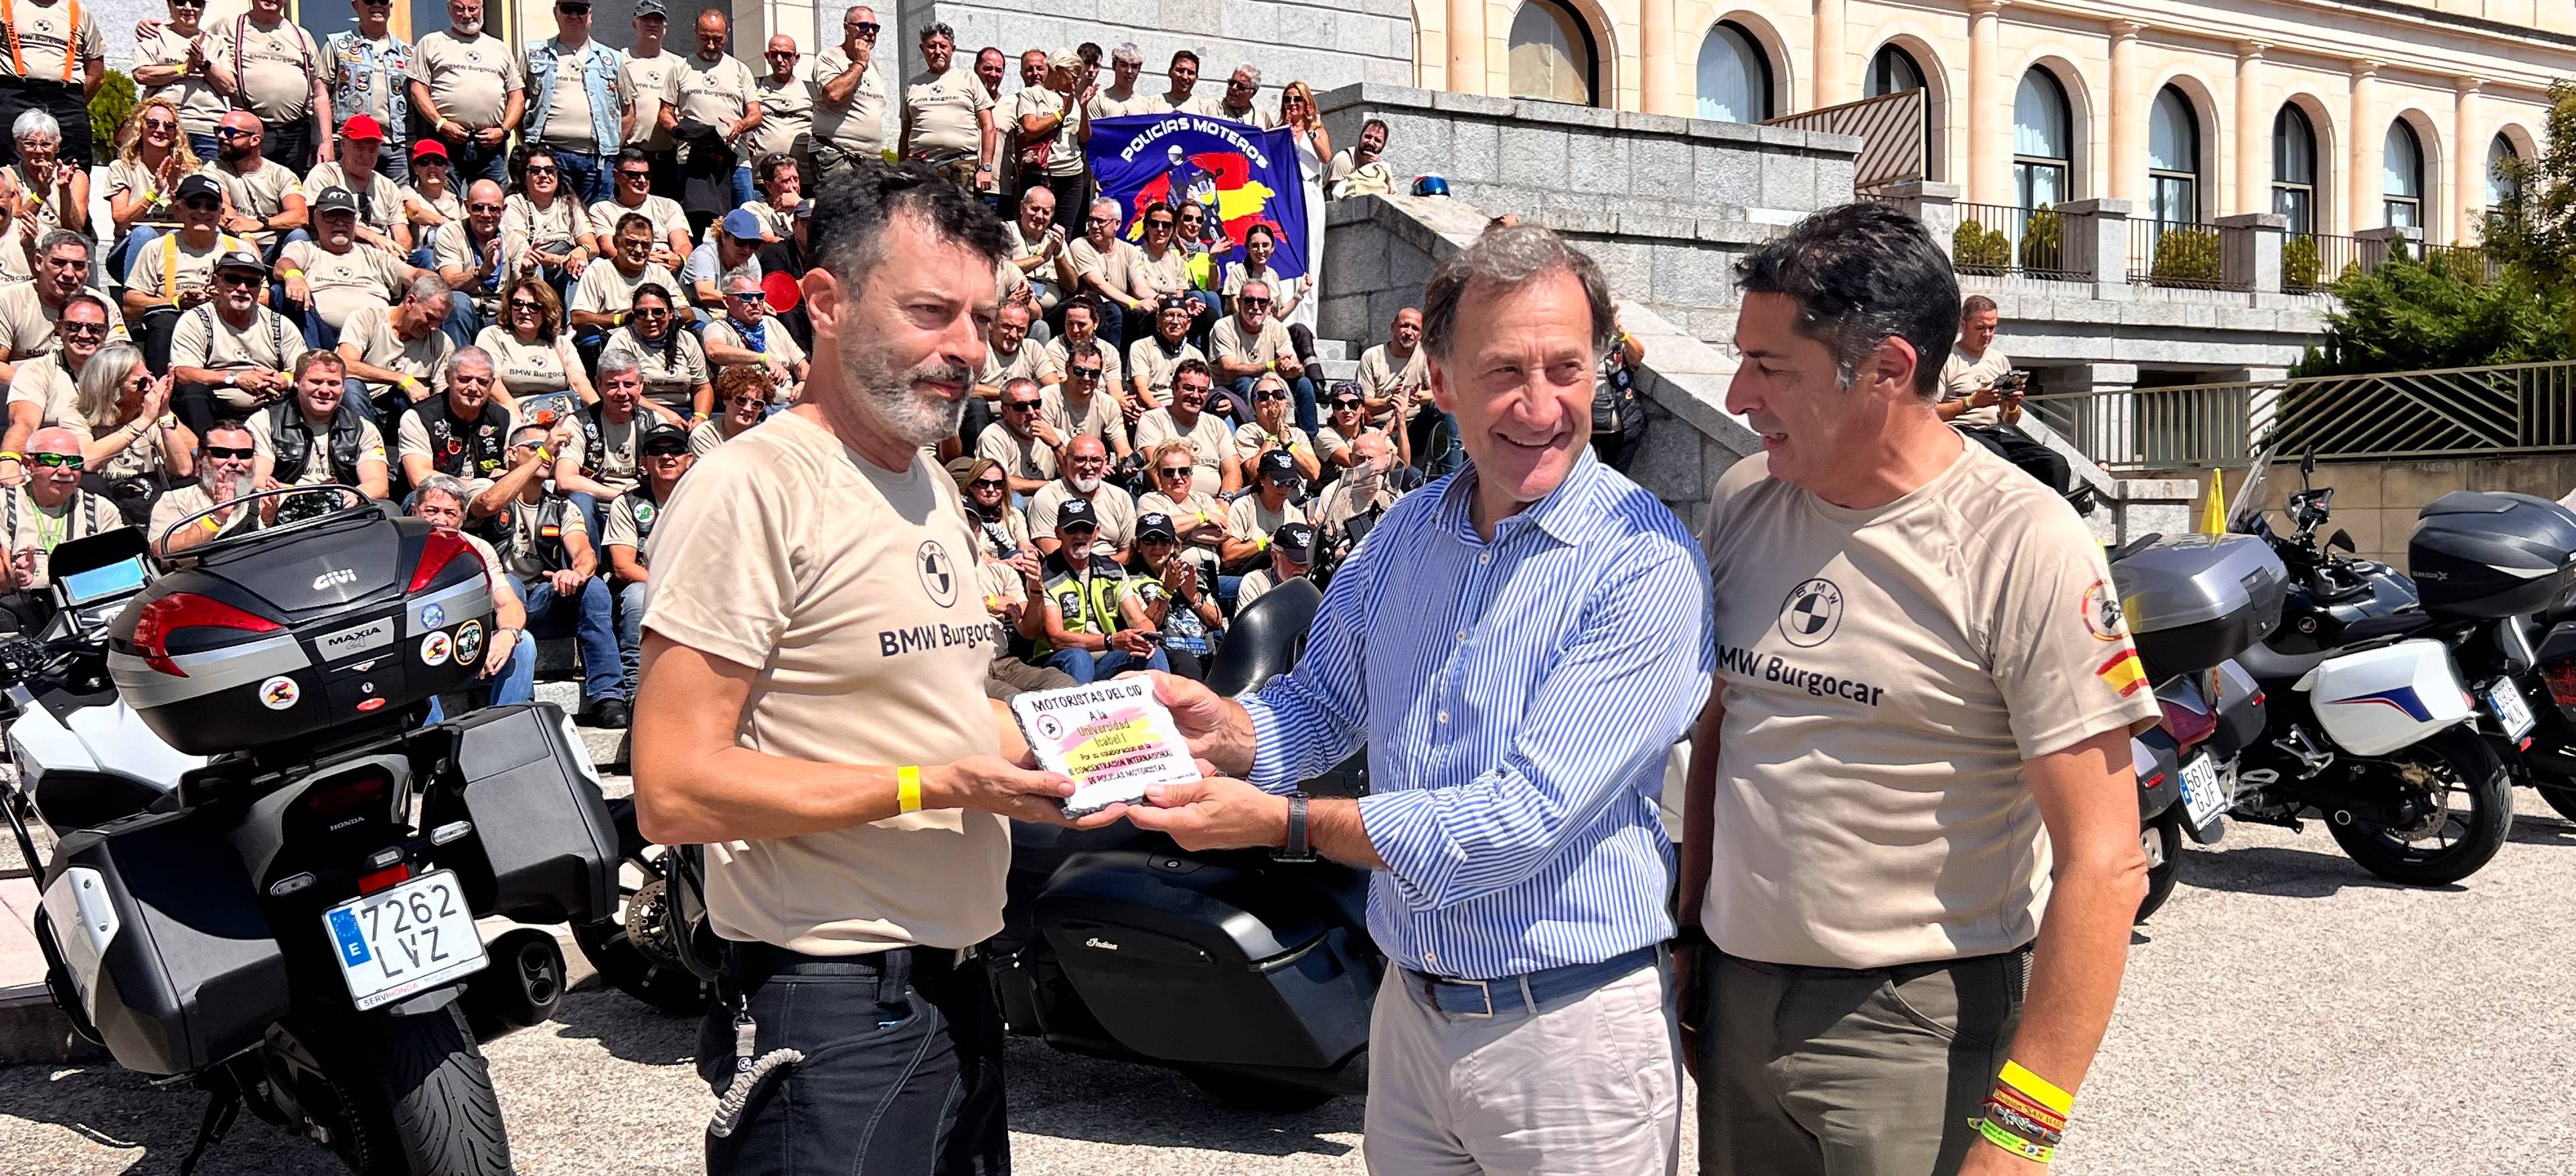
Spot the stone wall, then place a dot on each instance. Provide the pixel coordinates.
(1325, 43)
(2377, 500)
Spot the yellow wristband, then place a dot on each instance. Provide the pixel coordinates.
(293, 273)
(211, 524)
(2037, 1089)
(907, 788)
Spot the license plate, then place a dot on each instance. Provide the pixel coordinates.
(2202, 795)
(2511, 712)
(412, 937)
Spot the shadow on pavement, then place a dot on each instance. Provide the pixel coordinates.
(2542, 831)
(626, 1027)
(1066, 1097)
(143, 1131)
(2284, 873)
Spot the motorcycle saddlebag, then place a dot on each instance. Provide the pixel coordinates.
(160, 932)
(548, 843)
(2158, 763)
(326, 631)
(1188, 960)
(2487, 556)
(2240, 711)
(2193, 601)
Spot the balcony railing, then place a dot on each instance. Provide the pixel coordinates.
(1999, 239)
(2183, 254)
(2310, 262)
(2484, 411)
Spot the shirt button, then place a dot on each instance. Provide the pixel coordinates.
(1485, 558)
(1444, 716)
(1462, 634)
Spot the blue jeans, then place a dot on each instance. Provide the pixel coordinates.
(630, 630)
(120, 260)
(394, 160)
(317, 333)
(586, 176)
(474, 161)
(204, 145)
(1301, 389)
(1087, 667)
(463, 321)
(588, 617)
(744, 191)
(516, 683)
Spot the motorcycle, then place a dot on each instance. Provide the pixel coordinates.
(2368, 720)
(264, 872)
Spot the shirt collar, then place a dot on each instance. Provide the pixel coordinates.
(1567, 514)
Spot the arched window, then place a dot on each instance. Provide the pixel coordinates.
(2294, 169)
(1734, 76)
(2173, 159)
(1552, 54)
(2401, 176)
(2043, 137)
(1893, 71)
(2500, 154)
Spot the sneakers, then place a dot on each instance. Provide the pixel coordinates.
(610, 713)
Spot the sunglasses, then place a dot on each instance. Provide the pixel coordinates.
(1078, 529)
(1158, 224)
(652, 312)
(483, 208)
(989, 483)
(430, 161)
(1165, 540)
(789, 54)
(544, 170)
(863, 27)
(56, 461)
(1023, 406)
(748, 296)
(69, 327)
(750, 400)
(159, 124)
(235, 133)
(1347, 405)
(1176, 471)
(646, 176)
(236, 279)
(219, 452)
(1270, 394)
(1088, 373)
(202, 204)
(666, 451)
(535, 306)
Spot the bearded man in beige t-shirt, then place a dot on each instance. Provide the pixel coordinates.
(1910, 826)
(811, 708)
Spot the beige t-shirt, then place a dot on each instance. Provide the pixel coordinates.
(786, 111)
(1021, 457)
(130, 176)
(45, 41)
(29, 525)
(1209, 440)
(1099, 416)
(1104, 106)
(943, 107)
(1113, 370)
(617, 464)
(858, 126)
(43, 382)
(1147, 360)
(1114, 266)
(710, 433)
(204, 340)
(568, 121)
(1171, 275)
(276, 66)
(1961, 377)
(1382, 379)
(1030, 362)
(185, 501)
(469, 78)
(342, 284)
(1246, 519)
(379, 199)
(715, 92)
(776, 343)
(664, 212)
(627, 515)
(1226, 341)
(525, 369)
(371, 329)
(850, 592)
(450, 206)
(671, 382)
(603, 290)
(1251, 439)
(259, 193)
(1111, 506)
(651, 84)
(376, 83)
(317, 461)
(1885, 673)
(200, 108)
(27, 323)
(164, 268)
(1064, 158)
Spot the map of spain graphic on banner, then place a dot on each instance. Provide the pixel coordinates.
(1241, 174)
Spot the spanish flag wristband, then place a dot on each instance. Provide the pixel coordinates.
(907, 788)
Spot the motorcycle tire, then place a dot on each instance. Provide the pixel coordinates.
(2162, 839)
(416, 1094)
(612, 950)
(2561, 798)
(2473, 775)
(1244, 1092)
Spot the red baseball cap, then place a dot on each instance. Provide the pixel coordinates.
(425, 148)
(363, 126)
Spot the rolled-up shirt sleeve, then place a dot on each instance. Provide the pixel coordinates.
(1638, 665)
(1314, 716)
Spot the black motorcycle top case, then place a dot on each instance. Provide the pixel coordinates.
(2487, 556)
(191, 973)
(544, 831)
(1186, 960)
(2193, 601)
(325, 631)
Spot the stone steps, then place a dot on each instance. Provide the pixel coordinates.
(559, 682)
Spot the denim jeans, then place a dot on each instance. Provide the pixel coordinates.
(120, 260)
(630, 629)
(474, 161)
(587, 615)
(744, 191)
(586, 176)
(1087, 667)
(394, 161)
(317, 333)
(204, 145)
(1301, 389)
(463, 321)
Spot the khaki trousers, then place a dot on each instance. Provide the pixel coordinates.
(1830, 1072)
(1591, 1088)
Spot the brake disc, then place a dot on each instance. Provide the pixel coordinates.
(2436, 801)
(648, 922)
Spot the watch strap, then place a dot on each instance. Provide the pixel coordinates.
(1299, 848)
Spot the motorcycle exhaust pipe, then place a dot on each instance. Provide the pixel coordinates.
(522, 987)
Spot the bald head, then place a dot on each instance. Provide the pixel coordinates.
(54, 441)
(1085, 445)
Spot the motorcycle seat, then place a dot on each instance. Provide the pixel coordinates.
(2394, 624)
(2270, 665)
(1265, 639)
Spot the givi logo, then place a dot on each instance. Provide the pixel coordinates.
(329, 579)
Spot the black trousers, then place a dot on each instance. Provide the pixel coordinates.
(902, 1068)
(62, 100)
(289, 143)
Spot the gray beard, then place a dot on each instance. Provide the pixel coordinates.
(888, 398)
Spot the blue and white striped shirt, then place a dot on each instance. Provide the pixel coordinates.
(1518, 698)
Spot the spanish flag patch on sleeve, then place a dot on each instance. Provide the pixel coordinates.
(2122, 673)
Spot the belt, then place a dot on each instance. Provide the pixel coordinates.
(1536, 992)
(754, 962)
(1902, 971)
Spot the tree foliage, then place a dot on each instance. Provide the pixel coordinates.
(107, 111)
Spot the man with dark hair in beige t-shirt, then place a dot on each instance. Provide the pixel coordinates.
(812, 709)
(1910, 831)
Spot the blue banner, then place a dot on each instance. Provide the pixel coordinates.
(1241, 174)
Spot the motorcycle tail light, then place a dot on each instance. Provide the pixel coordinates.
(347, 794)
(383, 878)
(436, 552)
(2562, 686)
(186, 610)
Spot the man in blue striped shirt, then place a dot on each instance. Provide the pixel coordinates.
(1518, 645)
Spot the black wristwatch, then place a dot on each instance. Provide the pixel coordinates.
(1298, 849)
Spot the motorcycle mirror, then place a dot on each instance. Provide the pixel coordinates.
(2307, 463)
(2343, 539)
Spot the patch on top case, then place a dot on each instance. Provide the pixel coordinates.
(435, 648)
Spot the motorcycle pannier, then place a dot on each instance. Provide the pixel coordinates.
(1186, 960)
(158, 932)
(2193, 601)
(538, 817)
(2488, 556)
(323, 631)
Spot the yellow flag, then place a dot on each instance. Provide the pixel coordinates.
(2213, 512)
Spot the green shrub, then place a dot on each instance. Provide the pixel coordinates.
(107, 110)
(2299, 263)
(2043, 243)
(1975, 249)
(2417, 315)
(2186, 257)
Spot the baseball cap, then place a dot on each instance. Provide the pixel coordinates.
(1076, 512)
(428, 149)
(1294, 540)
(663, 438)
(1277, 466)
(199, 184)
(742, 224)
(1154, 523)
(363, 126)
(644, 8)
(241, 259)
(337, 199)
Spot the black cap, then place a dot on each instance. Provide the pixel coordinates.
(651, 8)
(199, 184)
(664, 438)
(1077, 511)
(1294, 540)
(241, 259)
(336, 199)
(1277, 466)
(1153, 523)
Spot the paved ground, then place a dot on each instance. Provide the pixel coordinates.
(2286, 1014)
